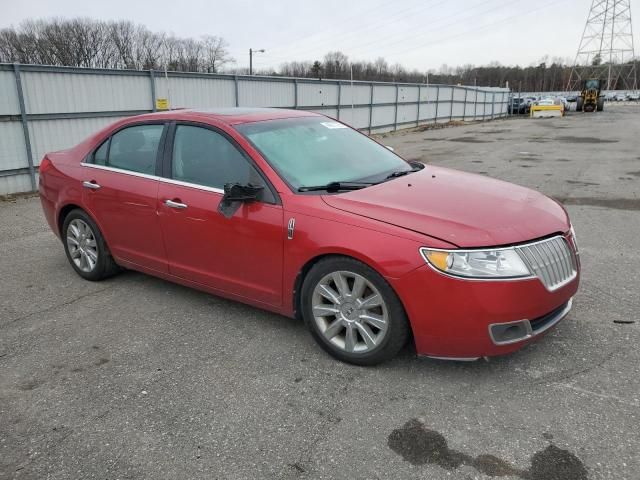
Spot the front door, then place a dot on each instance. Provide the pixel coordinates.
(240, 255)
(120, 190)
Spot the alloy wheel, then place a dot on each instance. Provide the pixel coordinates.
(82, 245)
(350, 312)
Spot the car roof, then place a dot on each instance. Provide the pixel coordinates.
(229, 116)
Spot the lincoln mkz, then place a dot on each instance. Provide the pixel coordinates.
(299, 214)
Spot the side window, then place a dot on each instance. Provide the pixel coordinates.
(205, 157)
(100, 155)
(134, 148)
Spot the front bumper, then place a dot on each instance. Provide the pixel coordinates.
(454, 318)
(520, 330)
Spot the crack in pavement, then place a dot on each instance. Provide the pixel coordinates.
(630, 403)
(54, 307)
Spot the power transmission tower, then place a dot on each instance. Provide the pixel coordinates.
(606, 48)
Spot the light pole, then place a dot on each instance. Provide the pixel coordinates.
(251, 52)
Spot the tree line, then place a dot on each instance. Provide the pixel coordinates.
(545, 75)
(83, 42)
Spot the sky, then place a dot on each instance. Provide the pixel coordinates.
(420, 34)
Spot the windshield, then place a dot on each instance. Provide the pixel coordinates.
(317, 151)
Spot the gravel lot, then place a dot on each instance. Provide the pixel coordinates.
(135, 377)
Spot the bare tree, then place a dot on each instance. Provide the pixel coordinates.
(551, 77)
(122, 36)
(336, 65)
(215, 53)
(83, 42)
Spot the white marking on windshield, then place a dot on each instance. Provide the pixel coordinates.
(333, 125)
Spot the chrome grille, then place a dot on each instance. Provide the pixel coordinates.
(551, 260)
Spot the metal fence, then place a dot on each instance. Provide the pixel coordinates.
(45, 108)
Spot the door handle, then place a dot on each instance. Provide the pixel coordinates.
(173, 204)
(91, 185)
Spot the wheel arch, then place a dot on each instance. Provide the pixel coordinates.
(302, 273)
(62, 215)
(308, 265)
(68, 208)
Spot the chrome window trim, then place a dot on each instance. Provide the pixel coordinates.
(234, 142)
(191, 185)
(154, 177)
(120, 170)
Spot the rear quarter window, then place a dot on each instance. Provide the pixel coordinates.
(135, 148)
(100, 155)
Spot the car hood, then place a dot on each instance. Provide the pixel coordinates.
(461, 208)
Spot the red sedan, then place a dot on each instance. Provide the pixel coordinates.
(302, 215)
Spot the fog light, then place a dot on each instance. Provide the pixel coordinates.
(504, 333)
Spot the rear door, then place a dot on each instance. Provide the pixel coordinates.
(120, 189)
(241, 255)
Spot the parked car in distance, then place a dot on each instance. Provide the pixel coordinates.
(299, 214)
(615, 96)
(633, 97)
(518, 106)
(548, 101)
(572, 98)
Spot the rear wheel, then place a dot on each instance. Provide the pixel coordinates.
(85, 247)
(579, 104)
(600, 104)
(352, 312)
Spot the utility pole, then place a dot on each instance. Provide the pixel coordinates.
(606, 48)
(251, 52)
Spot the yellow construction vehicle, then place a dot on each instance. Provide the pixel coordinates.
(590, 99)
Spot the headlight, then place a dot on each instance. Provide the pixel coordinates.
(497, 263)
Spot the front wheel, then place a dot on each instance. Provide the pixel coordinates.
(352, 312)
(85, 247)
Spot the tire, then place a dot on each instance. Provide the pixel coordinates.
(85, 247)
(579, 104)
(349, 330)
(600, 105)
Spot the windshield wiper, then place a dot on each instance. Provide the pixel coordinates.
(415, 167)
(399, 173)
(336, 186)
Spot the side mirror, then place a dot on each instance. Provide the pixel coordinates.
(235, 195)
(234, 192)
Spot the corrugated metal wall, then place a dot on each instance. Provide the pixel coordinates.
(62, 106)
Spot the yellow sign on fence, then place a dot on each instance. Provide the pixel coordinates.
(162, 104)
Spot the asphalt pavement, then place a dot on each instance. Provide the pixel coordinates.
(135, 377)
